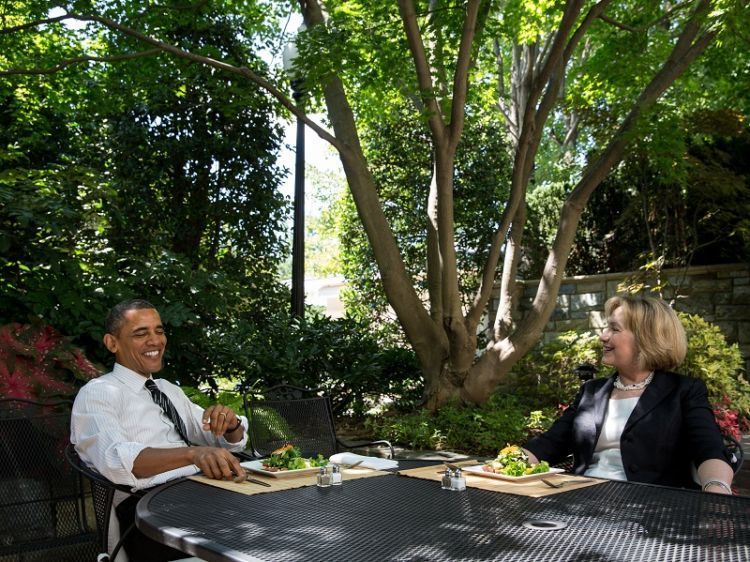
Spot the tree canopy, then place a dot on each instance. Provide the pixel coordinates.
(567, 86)
(149, 177)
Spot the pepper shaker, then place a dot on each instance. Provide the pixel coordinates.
(445, 482)
(336, 475)
(324, 479)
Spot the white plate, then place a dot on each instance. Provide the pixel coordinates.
(477, 469)
(257, 467)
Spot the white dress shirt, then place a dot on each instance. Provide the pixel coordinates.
(607, 459)
(114, 418)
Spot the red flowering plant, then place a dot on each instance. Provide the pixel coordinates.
(38, 363)
(728, 420)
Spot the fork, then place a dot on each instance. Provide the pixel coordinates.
(564, 482)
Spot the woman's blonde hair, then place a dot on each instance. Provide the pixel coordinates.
(659, 336)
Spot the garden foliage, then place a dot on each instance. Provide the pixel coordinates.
(345, 357)
(545, 381)
(38, 363)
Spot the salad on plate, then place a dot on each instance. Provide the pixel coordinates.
(513, 461)
(289, 457)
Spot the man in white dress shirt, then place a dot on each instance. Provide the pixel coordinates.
(118, 427)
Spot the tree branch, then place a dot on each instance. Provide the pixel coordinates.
(34, 23)
(424, 78)
(686, 49)
(78, 60)
(661, 19)
(241, 71)
(461, 76)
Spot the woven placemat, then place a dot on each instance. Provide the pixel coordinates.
(533, 488)
(278, 484)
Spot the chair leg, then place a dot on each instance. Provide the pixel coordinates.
(119, 544)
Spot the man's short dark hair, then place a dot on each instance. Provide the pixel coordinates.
(116, 315)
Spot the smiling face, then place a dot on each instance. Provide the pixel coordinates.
(140, 342)
(618, 343)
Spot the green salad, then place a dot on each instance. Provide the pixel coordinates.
(289, 457)
(512, 461)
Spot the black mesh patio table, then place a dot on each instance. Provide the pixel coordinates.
(398, 518)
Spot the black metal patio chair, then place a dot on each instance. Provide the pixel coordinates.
(300, 416)
(103, 494)
(737, 455)
(43, 504)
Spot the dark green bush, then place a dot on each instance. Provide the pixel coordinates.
(479, 430)
(719, 364)
(545, 379)
(344, 356)
(546, 375)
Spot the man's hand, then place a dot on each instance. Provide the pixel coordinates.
(216, 462)
(218, 419)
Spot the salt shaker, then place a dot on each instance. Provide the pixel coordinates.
(324, 479)
(458, 482)
(336, 475)
(446, 480)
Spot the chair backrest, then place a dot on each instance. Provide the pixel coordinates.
(287, 414)
(102, 493)
(42, 500)
(735, 450)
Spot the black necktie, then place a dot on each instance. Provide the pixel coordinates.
(163, 401)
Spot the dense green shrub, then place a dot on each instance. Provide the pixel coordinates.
(546, 375)
(479, 430)
(545, 380)
(719, 364)
(343, 356)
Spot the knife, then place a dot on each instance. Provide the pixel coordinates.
(248, 478)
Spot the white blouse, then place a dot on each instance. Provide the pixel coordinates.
(607, 459)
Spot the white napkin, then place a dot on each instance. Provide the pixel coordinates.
(375, 463)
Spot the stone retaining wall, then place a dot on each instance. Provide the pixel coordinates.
(720, 294)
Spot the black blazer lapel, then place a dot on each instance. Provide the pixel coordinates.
(659, 389)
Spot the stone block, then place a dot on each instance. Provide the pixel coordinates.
(729, 329)
(593, 287)
(567, 289)
(732, 312)
(586, 301)
(568, 325)
(597, 319)
(723, 298)
(741, 295)
(711, 285)
(743, 332)
(612, 287)
(549, 336)
(698, 304)
(559, 314)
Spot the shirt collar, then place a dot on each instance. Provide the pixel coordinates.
(129, 378)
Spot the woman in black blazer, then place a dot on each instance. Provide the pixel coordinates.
(644, 423)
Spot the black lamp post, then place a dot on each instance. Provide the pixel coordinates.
(298, 232)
